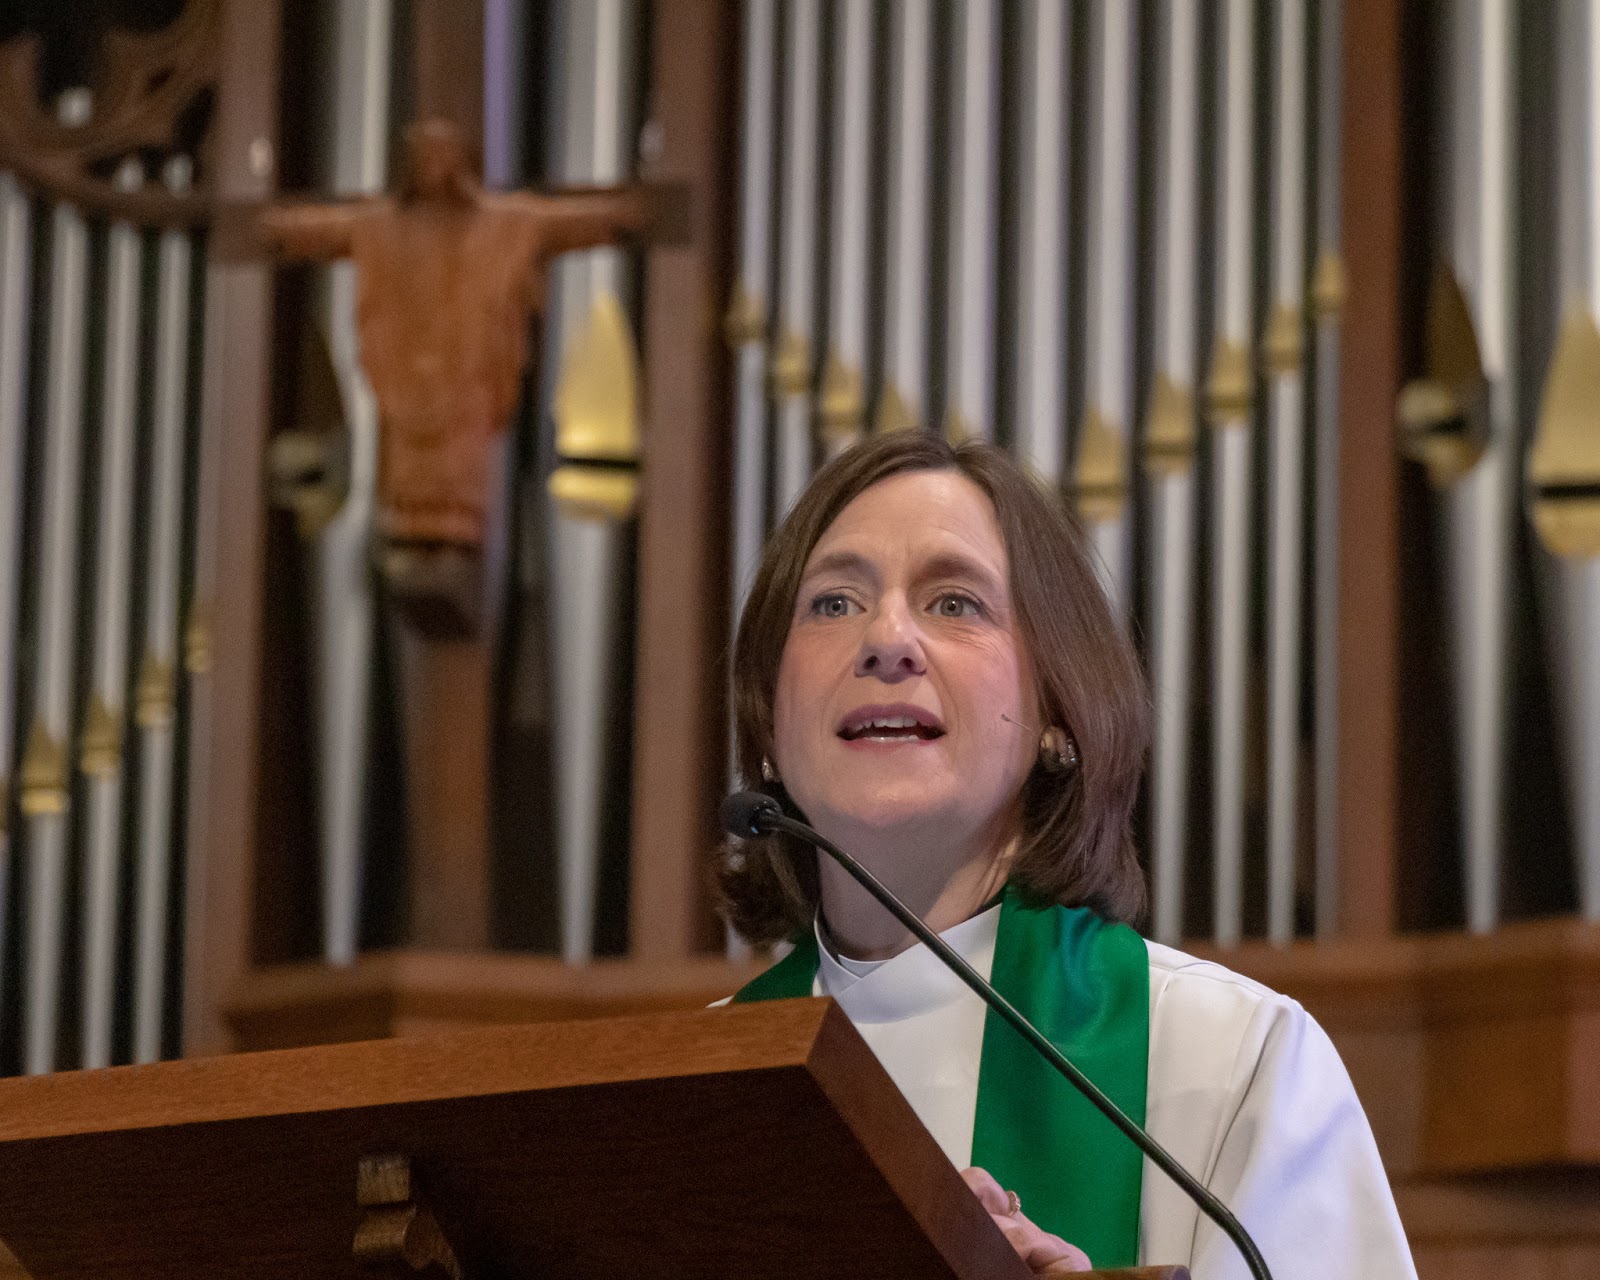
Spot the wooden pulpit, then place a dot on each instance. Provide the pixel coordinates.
(755, 1141)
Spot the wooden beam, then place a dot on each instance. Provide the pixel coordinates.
(447, 729)
(447, 65)
(1370, 377)
(679, 732)
(221, 834)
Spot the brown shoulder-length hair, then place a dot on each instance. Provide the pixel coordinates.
(1076, 846)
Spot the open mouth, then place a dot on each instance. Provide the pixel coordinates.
(872, 724)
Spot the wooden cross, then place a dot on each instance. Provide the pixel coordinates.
(449, 280)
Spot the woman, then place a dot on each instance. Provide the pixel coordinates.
(928, 672)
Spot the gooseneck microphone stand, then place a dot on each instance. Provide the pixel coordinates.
(750, 813)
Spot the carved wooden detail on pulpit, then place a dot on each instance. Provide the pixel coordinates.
(399, 1236)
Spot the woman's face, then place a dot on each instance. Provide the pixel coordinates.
(905, 700)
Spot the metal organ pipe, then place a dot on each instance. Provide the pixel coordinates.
(45, 795)
(102, 759)
(1170, 439)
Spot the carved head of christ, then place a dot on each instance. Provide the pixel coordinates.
(437, 165)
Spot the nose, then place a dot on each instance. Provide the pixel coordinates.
(891, 644)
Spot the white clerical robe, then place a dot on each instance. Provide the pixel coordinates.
(1244, 1088)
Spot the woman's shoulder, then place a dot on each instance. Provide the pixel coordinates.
(1187, 977)
(1200, 1001)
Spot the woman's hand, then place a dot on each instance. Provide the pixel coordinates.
(1048, 1255)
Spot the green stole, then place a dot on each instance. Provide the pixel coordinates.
(1085, 983)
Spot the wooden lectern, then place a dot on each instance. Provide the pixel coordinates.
(755, 1141)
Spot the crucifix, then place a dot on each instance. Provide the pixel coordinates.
(450, 279)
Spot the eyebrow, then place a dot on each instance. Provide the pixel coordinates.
(940, 565)
(840, 562)
(949, 565)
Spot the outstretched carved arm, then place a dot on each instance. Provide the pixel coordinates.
(309, 232)
(578, 219)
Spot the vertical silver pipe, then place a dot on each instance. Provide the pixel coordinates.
(358, 139)
(970, 341)
(1038, 438)
(102, 734)
(1479, 509)
(1566, 448)
(16, 272)
(1230, 394)
(155, 702)
(842, 408)
(747, 312)
(1284, 347)
(44, 770)
(1170, 446)
(1584, 585)
(1327, 299)
(792, 359)
(903, 401)
(504, 81)
(599, 98)
(1102, 463)
(746, 328)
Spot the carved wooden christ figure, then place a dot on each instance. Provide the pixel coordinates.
(449, 277)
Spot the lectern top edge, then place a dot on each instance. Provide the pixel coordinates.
(388, 1072)
(760, 1141)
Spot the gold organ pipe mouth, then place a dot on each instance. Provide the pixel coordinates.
(594, 493)
(100, 751)
(1282, 343)
(197, 639)
(746, 318)
(1443, 415)
(894, 414)
(154, 703)
(1100, 480)
(958, 427)
(841, 408)
(1169, 437)
(1564, 461)
(1328, 286)
(43, 778)
(305, 468)
(791, 366)
(1230, 390)
(597, 419)
(597, 399)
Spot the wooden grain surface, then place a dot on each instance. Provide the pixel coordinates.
(762, 1140)
(1470, 1054)
(1369, 380)
(406, 992)
(680, 716)
(221, 833)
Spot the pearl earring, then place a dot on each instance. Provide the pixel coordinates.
(768, 773)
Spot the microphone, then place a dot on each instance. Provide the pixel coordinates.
(750, 813)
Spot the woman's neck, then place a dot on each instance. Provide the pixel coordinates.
(944, 892)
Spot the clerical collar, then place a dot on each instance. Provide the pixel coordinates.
(912, 982)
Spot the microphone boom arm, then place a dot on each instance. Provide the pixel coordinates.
(754, 818)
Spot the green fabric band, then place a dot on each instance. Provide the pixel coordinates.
(1085, 983)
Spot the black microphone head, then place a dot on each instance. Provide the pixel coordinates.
(749, 813)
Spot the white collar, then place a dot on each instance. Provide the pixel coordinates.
(911, 983)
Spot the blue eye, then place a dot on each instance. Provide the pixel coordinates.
(831, 605)
(953, 605)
